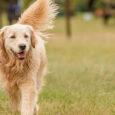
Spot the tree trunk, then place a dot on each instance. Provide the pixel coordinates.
(91, 5)
(0, 19)
(68, 18)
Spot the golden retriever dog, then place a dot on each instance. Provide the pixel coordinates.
(23, 56)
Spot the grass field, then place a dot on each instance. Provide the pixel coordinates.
(81, 78)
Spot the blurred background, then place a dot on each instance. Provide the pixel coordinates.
(81, 58)
(88, 10)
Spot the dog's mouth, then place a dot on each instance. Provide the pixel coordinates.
(21, 55)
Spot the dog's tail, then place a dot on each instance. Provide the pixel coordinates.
(40, 15)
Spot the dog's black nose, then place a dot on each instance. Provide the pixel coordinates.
(22, 46)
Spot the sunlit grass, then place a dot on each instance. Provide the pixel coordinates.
(81, 79)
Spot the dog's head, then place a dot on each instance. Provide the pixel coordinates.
(17, 40)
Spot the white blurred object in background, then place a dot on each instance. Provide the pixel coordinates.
(20, 3)
(88, 16)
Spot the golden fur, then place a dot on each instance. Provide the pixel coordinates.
(40, 15)
(22, 79)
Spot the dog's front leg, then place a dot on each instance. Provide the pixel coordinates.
(28, 96)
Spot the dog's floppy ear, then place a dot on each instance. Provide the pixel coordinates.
(2, 31)
(2, 35)
(33, 41)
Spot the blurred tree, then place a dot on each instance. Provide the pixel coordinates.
(67, 7)
(70, 10)
(3, 4)
(27, 3)
(108, 10)
(62, 6)
(12, 2)
(91, 5)
(73, 4)
(68, 18)
(82, 5)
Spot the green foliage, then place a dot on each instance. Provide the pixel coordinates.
(98, 3)
(75, 5)
(27, 3)
(62, 7)
(82, 5)
(3, 4)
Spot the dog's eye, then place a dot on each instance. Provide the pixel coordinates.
(26, 36)
(13, 36)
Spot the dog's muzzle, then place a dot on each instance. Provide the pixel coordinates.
(21, 55)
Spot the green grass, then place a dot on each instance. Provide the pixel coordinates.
(81, 78)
